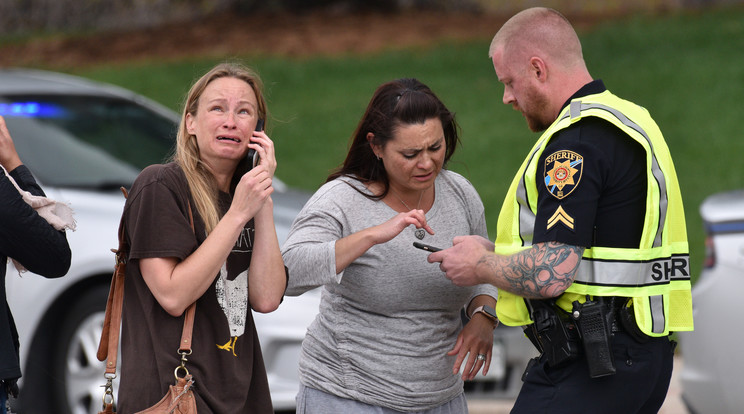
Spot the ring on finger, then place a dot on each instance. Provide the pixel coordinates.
(481, 357)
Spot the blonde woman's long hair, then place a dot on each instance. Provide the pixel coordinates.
(201, 181)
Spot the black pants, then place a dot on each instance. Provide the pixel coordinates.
(639, 386)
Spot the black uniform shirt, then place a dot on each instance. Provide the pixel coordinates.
(591, 181)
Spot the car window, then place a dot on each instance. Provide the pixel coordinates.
(86, 141)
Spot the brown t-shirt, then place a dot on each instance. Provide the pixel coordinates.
(226, 361)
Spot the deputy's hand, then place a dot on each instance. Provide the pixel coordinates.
(460, 261)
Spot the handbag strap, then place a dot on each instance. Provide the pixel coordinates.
(188, 320)
(108, 347)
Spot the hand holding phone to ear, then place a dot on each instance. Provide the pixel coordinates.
(263, 146)
(255, 186)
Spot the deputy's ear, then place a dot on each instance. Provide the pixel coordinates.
(538, 69)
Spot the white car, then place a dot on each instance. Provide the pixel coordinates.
(713, 363)
(84, 140)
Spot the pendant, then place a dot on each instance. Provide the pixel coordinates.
(420, 233)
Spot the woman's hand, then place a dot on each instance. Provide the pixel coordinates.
(252, 191)
(476, 338)
(353, 246)
(255, 186)
(388, 230)
(8, 155)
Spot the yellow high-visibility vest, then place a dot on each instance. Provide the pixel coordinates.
(656, 274)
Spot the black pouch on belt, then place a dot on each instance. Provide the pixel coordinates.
(628, 322)
(593, 318)
(550, 334)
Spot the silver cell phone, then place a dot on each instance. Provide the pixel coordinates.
(426, 247)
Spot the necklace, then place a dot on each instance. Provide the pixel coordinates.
(404, 203)
(419, 233)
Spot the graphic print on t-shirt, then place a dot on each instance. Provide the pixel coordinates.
(232, 288)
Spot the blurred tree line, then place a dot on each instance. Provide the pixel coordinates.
(33, 16)
(49, 16)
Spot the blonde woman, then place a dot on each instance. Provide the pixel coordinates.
(228, 264)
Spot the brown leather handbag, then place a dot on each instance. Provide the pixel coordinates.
(180, 397)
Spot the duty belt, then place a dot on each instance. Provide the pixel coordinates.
(562, 336)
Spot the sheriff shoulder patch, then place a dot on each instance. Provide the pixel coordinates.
(563, 172)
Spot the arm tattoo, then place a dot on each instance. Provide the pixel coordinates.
(544, 271)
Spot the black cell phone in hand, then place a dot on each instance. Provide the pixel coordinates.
(252, 155)
(426, 247)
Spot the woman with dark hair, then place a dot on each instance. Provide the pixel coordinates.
(389, 336)
(227, 260)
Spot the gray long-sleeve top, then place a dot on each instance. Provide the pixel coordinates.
(387, 321)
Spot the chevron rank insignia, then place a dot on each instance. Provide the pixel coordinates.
(560, 216)
(563, 172)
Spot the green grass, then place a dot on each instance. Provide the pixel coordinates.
(687, 69)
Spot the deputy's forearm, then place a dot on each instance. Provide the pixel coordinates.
(544, 271)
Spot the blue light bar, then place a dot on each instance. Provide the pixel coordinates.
(30, 110)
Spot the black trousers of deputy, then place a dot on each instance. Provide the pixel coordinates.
(639, 385)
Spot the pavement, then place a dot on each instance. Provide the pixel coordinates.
(672, 405)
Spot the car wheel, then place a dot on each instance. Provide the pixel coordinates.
(70, 370)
